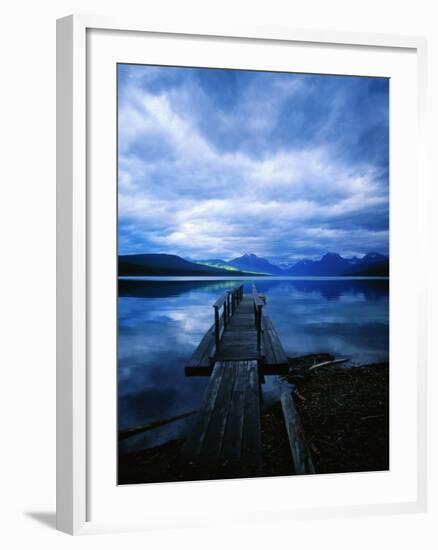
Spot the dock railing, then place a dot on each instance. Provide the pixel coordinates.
(258, 314)
(224, 308)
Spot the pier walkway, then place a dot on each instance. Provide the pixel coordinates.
(241, 332)
(239, 348)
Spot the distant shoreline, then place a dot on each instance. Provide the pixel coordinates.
(251, 266)
(249, 278)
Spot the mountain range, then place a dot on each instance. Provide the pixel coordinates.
(331, 264)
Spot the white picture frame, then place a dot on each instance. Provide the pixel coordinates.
(73, 288)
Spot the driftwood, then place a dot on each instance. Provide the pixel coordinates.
(300, 453)
(327, 363)
(145, 427)
(298, 394)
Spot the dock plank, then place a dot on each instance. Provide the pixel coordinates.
(273, 350)
(201, 355)
(232, 442)
(252, 438)
(195, 441)
(210, 453)
(226, 437)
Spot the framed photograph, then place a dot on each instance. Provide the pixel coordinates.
(240, 266)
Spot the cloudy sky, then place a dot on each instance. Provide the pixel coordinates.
(218, 163)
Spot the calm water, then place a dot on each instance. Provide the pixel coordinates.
(162, 319)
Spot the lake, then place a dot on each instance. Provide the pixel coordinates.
(162, 319)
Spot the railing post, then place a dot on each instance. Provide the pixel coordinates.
(216, 327)
(259, 326)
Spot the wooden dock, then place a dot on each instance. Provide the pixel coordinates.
(238, 349)
(241, 332)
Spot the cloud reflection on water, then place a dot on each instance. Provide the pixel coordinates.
(161, 323)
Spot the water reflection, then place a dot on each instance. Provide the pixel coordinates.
(161, 323)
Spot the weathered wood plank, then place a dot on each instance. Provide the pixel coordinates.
(236, 335)
(238, 353)
(300, 453)
(201, 355)
(232, 441)
(251, 454)
(124, 434)
(241, 320)
(274, 355)
(226, 439)
(273, 350)
(239, 340)
(210, 453)
(267, 323)
(195, 441)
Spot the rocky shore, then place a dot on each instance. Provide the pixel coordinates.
(344, 412)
